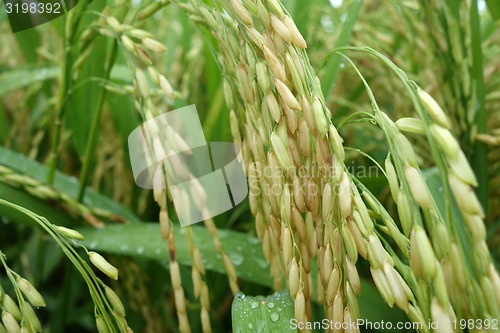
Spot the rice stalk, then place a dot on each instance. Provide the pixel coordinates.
(268, 104)
(92, 216)
(280, 158)
(19, 316)
(446, 162)
(137, 42)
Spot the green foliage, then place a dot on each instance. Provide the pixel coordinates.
(494, 8)
(65, 120)
(268, 314)
(21, 77)
(144, 241)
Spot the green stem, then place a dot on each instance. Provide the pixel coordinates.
(61, 98)
(347, 119)
(11, 278)
(479, 158)
(89, 148)
(64, 80)
(81, 265)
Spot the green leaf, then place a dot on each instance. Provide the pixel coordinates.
(125, 117)
(433, 180)
(4, 124)
(3, 16)
(83, 100)
(494, 9)
(479, 155)
(29, 41)
(18, 78)
(217, 114)
(267, 314)
(144, 241)
(332, 64)
(22, 77)
(22, 198)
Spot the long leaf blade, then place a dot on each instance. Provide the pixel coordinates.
(333, 65)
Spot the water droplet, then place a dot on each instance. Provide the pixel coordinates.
(240, 295)
(254, 305)
(140, 250)
(236, 259)
(261, 262)
(253, 240)
(440, 189)
(270, 305)
(250, 326)
(275, 316)
(280, 309)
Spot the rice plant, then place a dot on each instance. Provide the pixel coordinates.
(368, 132)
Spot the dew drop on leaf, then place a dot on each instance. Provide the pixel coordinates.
(236, 259)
